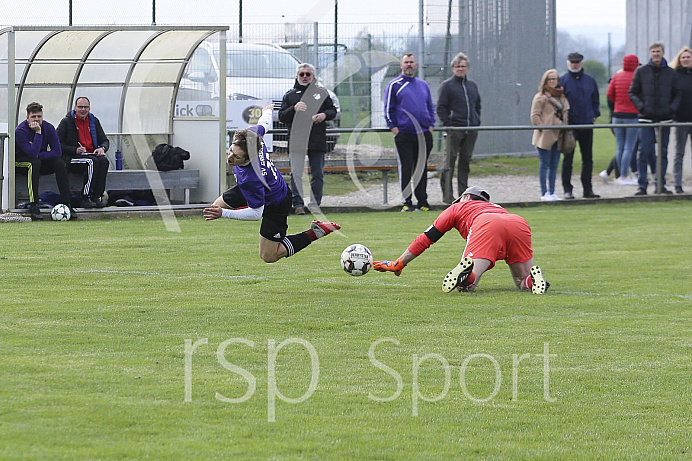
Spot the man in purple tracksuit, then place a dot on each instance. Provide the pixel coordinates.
(261, 193)
(38, 151)
(410, 115)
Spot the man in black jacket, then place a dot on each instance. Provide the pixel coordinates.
(305, 109)
(655, 94)
(458, 104)
(84, 145)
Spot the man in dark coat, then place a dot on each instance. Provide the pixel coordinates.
(458, 104)
(654, 92)
(305, 109)
(581, 91)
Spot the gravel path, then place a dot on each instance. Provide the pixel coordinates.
(503, 189)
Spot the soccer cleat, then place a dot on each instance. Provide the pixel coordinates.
(407, 208)
(322, 228)
(87, 202)
(457, 275)
(540, 284)
(423, 208)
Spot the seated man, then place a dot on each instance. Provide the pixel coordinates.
(84, 146)
(491, 234)
(33, 137)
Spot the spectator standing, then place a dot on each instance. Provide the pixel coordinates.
(654, 92)
(84, 146)
(458, 105)
(304, 109)
(37, 149)
(549, 107)
(582, 93)
(624, 113)
(683, 66)
(410, 115)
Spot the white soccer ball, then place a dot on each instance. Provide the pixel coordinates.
(356, 259)
(61, 212)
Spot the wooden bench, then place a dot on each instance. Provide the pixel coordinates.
(120, 180)
(341, 166)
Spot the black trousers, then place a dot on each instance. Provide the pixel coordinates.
(585, 140)
(94, 169)
(36, 167)
(411, 166)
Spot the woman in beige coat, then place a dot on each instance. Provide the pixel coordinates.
(549, 107)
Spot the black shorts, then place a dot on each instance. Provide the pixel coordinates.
(274, 218)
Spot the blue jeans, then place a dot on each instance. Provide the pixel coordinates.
(626, 139)
(547, 168)
(647, 154)
(316, 159)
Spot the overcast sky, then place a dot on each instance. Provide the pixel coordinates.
(578, 17)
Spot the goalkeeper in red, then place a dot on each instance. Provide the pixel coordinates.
(491, 234)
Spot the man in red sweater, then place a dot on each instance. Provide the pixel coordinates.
(491, 233)
(84, 147)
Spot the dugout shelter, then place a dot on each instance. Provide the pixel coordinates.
(131, 74)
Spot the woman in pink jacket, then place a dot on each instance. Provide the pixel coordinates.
(624, 113)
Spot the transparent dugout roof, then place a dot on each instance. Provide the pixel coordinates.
(138, 66)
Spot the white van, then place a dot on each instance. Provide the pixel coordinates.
(253, 71)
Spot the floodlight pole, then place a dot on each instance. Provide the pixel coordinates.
(153, 12)
(240, 21)
(70, 13)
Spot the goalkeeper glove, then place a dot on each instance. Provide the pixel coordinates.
(390, 266)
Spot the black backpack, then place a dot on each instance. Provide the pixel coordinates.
(167, 157)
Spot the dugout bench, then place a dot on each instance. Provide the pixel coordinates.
(117, 180)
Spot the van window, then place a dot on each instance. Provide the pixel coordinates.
(201, 63)
(261, 64)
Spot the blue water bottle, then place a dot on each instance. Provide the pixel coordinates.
(118, 161)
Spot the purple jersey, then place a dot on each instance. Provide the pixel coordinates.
(260, 181)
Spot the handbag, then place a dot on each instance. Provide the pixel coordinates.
(566, 143)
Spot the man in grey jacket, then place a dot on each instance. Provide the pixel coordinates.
(458, 105)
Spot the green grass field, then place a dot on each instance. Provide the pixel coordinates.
(121, 340)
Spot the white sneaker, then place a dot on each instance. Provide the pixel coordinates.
(547, 197)
(629, 182)
(604, 176)
(555, 196)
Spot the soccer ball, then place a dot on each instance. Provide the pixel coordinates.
(356, 259)
(61, 212)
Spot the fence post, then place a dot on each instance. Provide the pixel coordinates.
(659, 160)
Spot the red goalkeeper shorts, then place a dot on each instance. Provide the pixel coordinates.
(499, 236)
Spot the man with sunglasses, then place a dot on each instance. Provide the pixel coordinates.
(84, 146)
(304, 109)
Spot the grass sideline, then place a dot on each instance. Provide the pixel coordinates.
(96, 315)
